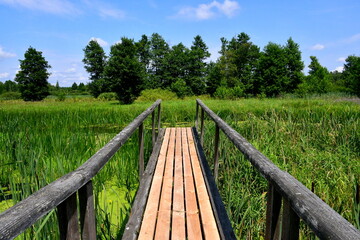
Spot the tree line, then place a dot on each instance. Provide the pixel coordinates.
(242, 70)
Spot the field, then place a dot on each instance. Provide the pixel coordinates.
(316, 140)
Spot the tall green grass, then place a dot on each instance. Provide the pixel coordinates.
(316, 140)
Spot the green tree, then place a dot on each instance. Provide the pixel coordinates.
(272, 74)
(214, 77)
(82, 87)
(158, 51)
(124, 72)
(57, 86)
(294, 66)
(95, 62)
(33, 75)
(74, 86)
(352, 74)
(197, 66)
(10, 86)
(318, 80)
(2, 88)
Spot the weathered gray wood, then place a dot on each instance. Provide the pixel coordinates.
(159, 118)
(290, 223)
(272, 212)
(216, 152)
(16, 219)
(87, 212)
(133, 225)
(221, 217)
(153, 135)
(68, 219)
(141, 150)
(197, 117)
(202, 127)
(322, 219)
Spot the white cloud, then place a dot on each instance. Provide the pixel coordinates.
(228, 8)
(4, 54)
(112, 13)
(353, 38)
(339, 69)
(100, 41)
(4, 75)
(341, 59)
(318, 47)
(50, 6)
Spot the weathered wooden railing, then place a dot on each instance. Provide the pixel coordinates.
(62, 192)
(297, 201)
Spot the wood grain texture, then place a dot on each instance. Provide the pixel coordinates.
(132, 227)
(192, 211)
(320, 217)
(16, 219)
(164, 216)
(87, 212)
(178, 211)
(150, 216)
(207, 216)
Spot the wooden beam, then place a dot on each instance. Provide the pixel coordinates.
(87, 212)
(68, 219)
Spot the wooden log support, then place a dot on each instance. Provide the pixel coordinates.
(159, 118)
(216, 152)
(87, 212)
(197, 117)
(68, 219)
(153, 134)
(272, 212)
(141, 150)
(290, 223)
(202, 127)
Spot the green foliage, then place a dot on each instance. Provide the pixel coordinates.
(151, 95)
(107, 96)
(10, 86)
(10, 96)
(95, 61)
(229, 93)
(180, 88)
(61, 96)
(2, 88)
(124, 72)
(33, 75)
(352, 74)
(74, 86)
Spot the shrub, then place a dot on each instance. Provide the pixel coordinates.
(10, 96)
(229, 93)
(180, 88)
(151, 95)
(60, 96)
(107, 96)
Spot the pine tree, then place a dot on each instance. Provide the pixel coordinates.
(33, 75)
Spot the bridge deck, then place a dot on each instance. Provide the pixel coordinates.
(178, 205)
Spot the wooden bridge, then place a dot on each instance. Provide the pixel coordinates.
(177, 196)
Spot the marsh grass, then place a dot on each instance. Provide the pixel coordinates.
(316, 140)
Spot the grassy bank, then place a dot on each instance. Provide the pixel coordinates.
(315, 140)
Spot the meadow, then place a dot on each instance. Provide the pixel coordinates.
(317, 140)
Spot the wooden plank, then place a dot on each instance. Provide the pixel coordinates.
(149, 220)
(323, 220)
(87, 212)
(225, 229)
(68, 219)
(141, 150)
(290, 223)
(132, 227)
(192, 211)
(164, 216)
(207, 217)
(178, 212)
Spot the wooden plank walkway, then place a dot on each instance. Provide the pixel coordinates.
(178, 205)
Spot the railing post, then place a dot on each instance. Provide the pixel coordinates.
(216, 152)
(197, 116)
(141, 150)
(290, 223)
(202, 127)
(87, 212)
(159, 118)
(153, 128)
(68, 219)
(272, 212)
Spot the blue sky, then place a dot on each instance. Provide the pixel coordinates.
(60, 29)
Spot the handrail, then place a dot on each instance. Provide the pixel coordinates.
(320, 217)
(25, 213)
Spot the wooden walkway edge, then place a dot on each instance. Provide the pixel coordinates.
(177, 197)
